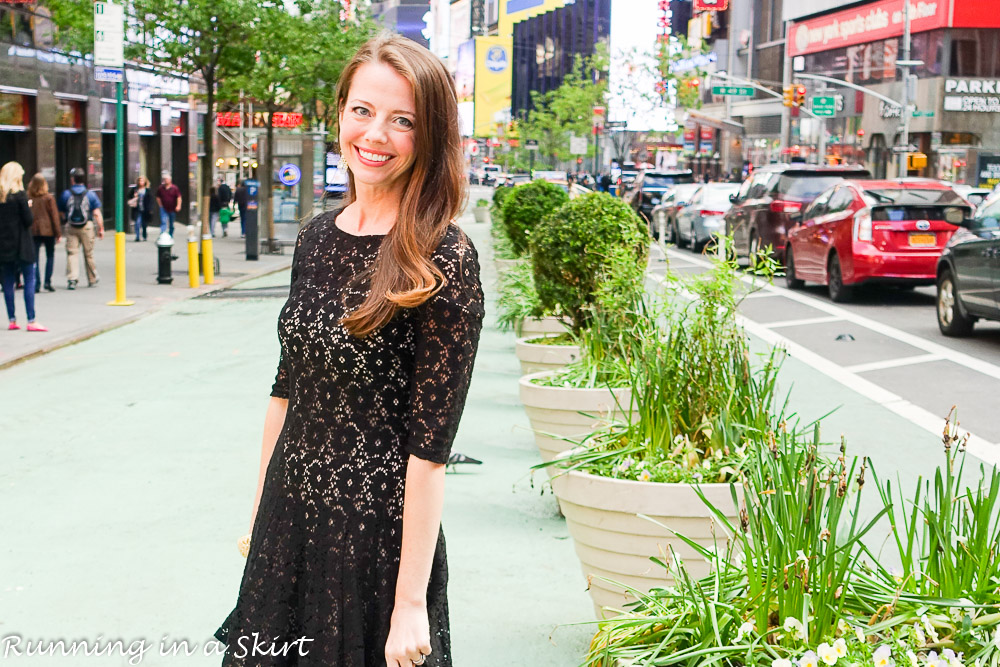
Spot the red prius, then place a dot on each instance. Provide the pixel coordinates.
(862, 231)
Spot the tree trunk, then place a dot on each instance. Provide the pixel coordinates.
(266, 176)
(208, 134)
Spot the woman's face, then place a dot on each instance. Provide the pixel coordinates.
(377, 126)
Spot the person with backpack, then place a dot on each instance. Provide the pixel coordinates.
(81, 210)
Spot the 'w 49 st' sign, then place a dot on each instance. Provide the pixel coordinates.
(710, 5)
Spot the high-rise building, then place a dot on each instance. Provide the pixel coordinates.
(407, 17)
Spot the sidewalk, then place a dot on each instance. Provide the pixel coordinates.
(75, 315)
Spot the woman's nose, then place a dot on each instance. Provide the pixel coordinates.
(377, 133)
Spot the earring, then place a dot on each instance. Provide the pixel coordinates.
(342, 165)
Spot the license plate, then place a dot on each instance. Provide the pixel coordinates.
(923, 240)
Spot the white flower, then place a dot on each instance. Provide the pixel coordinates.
(996, 637)
(913, 658)
(921, 639)
(781, 662)
(840, 648)
(934, 661)
(883, 656)
(827, 654)
(931, 632)
(860, 634)
(843, 627)
(745, 630)
(794, 626)
(808, 659)
(625, 464)
(952, 659)
(645, 476)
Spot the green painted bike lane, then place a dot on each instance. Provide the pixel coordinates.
(128, 464)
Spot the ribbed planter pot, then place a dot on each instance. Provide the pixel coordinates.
(537, 357)
(481, 214)
(614, 542)
(533, 327)
(504, 265)
(566, 412)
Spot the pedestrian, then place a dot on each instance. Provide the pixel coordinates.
(346, 550)
(17, 249)
(213, 209)
(81, 211)
(168, 198)
(225, 214)
(225, 193)
(241, 197)
(141, 207)
(45, 228)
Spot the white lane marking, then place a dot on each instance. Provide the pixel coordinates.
(893, 363)
(803, 322)
(761, 295)
(981, 448)
(912, 340)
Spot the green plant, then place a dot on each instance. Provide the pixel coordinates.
(482, 203)
(525, 207)
(517, 298)
(502, 247)
(574, 246)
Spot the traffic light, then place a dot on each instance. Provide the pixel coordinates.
(789, 96)
(800, 95)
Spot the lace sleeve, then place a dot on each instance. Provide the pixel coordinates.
(447, 340)
(280, 387)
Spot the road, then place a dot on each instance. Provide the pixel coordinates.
(885, 345)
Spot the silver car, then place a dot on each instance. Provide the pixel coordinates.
(703, 217)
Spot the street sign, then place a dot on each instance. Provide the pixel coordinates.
(745, 91)
(531, 144)
(578, 145)
(109, 35)
(922, 114)
(904, 149)
(824, 105)
(113, 74)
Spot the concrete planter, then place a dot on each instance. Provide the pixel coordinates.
(571, 413)
(533, 327)
(535, 357)
(612, 541)
(481, 214)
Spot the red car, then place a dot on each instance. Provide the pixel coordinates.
(862, 231)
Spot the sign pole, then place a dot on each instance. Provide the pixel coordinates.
(109, 65)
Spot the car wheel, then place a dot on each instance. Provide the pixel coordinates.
(791, 281)
(839, 292)
(952, 320)
(679, 240)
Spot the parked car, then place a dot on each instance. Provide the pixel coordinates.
(873, 231)
(555, 177)
(703, 218)
(968, 273)
(760, 214)
(649, 188)
(972, 194)
(672, 202)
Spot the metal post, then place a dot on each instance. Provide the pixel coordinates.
(120, 299)
(786, 112)
(822, 90)
(905, 111)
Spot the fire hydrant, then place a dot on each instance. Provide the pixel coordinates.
(164, 248)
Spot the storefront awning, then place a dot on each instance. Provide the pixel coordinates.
(718, 123)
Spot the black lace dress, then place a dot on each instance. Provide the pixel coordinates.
(325, 548)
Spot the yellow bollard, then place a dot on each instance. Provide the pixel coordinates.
(120, 299)
(193, 261)
(207, 259)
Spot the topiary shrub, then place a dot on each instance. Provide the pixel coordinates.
(525, 207)
(575, 245)
(499, 197)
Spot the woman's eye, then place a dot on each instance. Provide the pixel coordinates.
(405, 122)
(361, 111)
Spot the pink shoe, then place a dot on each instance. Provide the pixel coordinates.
(36, 327)
(12, 326)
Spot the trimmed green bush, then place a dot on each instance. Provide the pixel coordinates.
(575, 245)
(525, 207)
(496, 210)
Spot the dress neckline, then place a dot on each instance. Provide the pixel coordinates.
(344, 232)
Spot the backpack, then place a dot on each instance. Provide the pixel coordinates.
(79, 209)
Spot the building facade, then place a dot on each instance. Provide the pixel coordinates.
(54, 116)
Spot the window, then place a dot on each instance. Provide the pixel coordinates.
(974, 53)
(744, 189)
(759, 186)
(987, 219)
(818, 207)
(841, 199)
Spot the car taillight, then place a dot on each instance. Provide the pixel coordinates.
(780, 206)
(862, 225)
(705, 212)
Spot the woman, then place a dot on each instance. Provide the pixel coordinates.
(141, 205)
(346, 561)
(45, 228)
(17, 249)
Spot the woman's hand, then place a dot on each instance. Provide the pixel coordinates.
(409, 635)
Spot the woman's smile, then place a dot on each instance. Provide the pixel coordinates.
(372, 158)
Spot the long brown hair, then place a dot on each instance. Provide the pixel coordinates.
(403, 275)
(38, 186)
